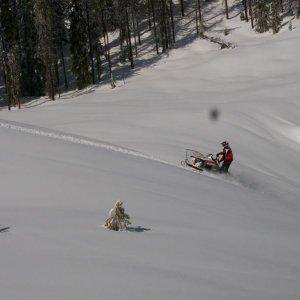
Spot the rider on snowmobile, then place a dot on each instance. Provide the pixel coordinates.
(226, 156)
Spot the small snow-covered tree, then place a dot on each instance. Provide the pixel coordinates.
(118, 219)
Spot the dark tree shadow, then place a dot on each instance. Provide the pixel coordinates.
(34, 104)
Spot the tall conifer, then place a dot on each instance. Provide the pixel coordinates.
(79, 45)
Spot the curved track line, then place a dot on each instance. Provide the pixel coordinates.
(72, 138)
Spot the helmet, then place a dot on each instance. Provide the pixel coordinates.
(225, 143)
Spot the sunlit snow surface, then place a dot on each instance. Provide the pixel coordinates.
(201, 236)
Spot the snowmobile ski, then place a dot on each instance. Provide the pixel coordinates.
(186, 163)
(194, 167)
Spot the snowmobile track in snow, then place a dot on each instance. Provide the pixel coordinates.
(73, 138)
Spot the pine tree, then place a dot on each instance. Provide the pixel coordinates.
(60, 36)
(10, 58)
(46, 25)
(79, 44)
(32, 83)
(154, 21)
(163, 24)
(199, 18)
(94, 10)
(261, 16)
(275, 18)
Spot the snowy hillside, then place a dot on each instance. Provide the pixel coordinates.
(197, 236)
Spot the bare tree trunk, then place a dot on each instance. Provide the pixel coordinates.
(99, 63)
(172, 21)
(135, 45)
(121, 39)
(57, 73)
(47, 49)
(197, 23)
(90, 41)
(2, 61)
(107, 50)
(246, 10)
(154, 27)
(138, 31)
(63, 65)
(52, 91)
(129, 40)
(12, 70)
(149, 15)
(164, 27)
(251, 14)
(198, 17)
(4, 78)
(199, 10)
(106, 46)
(134, 34)
(226, 9)
(168, 26)
(182, 7)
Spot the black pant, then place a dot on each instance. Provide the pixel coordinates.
(225, 166)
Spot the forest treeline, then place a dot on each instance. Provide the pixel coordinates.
(42, 42)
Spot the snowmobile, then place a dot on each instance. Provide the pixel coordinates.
(200, 162)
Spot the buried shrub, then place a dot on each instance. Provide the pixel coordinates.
(118, 219)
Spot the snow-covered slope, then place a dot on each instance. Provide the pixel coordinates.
(199, 236)
(210, 237)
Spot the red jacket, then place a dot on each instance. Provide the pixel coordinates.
(226, 154)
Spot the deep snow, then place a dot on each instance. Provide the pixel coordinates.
(210, 237)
